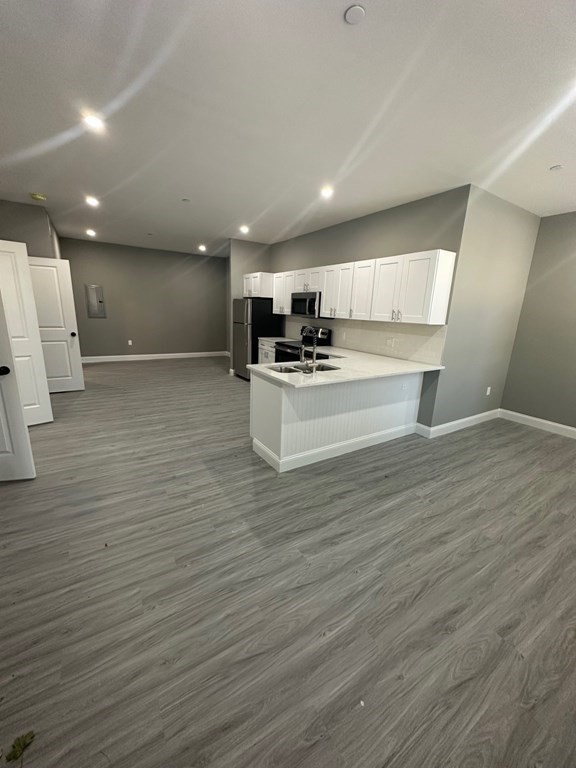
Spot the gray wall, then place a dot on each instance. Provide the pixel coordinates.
(434, 222)
(164, 301)
(542, 376)
(28, 224)
(245, 256)
(489, 284)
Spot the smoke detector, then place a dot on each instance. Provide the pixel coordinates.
(354, 15)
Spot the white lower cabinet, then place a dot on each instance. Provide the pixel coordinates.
(266, 354)
(283, 290)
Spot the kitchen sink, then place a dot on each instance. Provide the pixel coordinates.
(283, 368)
(302, 368)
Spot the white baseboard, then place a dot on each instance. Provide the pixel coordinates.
(454, 426)
(497, 413)
(329, 451)
(533, 421)
(169, 356)
(266, 454)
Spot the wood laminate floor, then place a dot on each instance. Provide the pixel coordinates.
(168, 601)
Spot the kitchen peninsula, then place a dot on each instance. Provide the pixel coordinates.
(299, 418)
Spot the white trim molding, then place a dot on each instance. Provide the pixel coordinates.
(169, 356)
(497, 413)
(533, 421)
(297, 460)
(454, 426)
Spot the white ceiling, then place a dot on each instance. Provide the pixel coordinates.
(247, 108)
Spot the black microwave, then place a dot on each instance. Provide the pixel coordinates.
(306, 304)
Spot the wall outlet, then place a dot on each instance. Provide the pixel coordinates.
(129, 342)
(488, 390)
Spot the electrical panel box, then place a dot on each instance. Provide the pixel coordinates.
(95, 305)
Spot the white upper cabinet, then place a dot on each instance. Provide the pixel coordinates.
(283, 289)
(258, 284)
(347, 290)
(387, 279)
(362, 287)
(308, 280)
(410, 288)
(301, 278)
(425, 287)
(337, 290)
(413, 288)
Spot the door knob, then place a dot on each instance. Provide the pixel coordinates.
(73, 334)
(4, 370)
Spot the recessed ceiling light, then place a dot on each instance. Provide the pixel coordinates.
(355, 14)
(244, 229)
(91, 232)
(327, 191)
(94, 123)
(202, 248)
(38, 196)
(93, 201)
(556, 167)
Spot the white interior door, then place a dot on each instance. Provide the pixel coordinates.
(16, 460)
(52, 286)
(22, 321)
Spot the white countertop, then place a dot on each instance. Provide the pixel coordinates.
(352, 365)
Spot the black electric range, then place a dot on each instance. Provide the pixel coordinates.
(289, 351)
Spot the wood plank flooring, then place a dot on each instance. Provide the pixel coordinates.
(168, 601)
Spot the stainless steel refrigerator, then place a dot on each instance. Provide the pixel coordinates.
(252, 318)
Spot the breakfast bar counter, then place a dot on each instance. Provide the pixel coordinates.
(298, 418)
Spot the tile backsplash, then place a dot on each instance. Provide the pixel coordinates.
(407, 341)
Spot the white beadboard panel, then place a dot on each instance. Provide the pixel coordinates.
(266, 413)
(292, 427)
(314, 419)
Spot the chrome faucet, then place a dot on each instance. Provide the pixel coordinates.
(309, 331)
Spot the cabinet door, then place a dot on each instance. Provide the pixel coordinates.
(288, 291)
(247, 286)
(328, 297)
(416, 287)
(344, 290)
(301, 279)
(278, 298)
(256, 284)
(362, 288)
(315, 279)
(387, 279)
